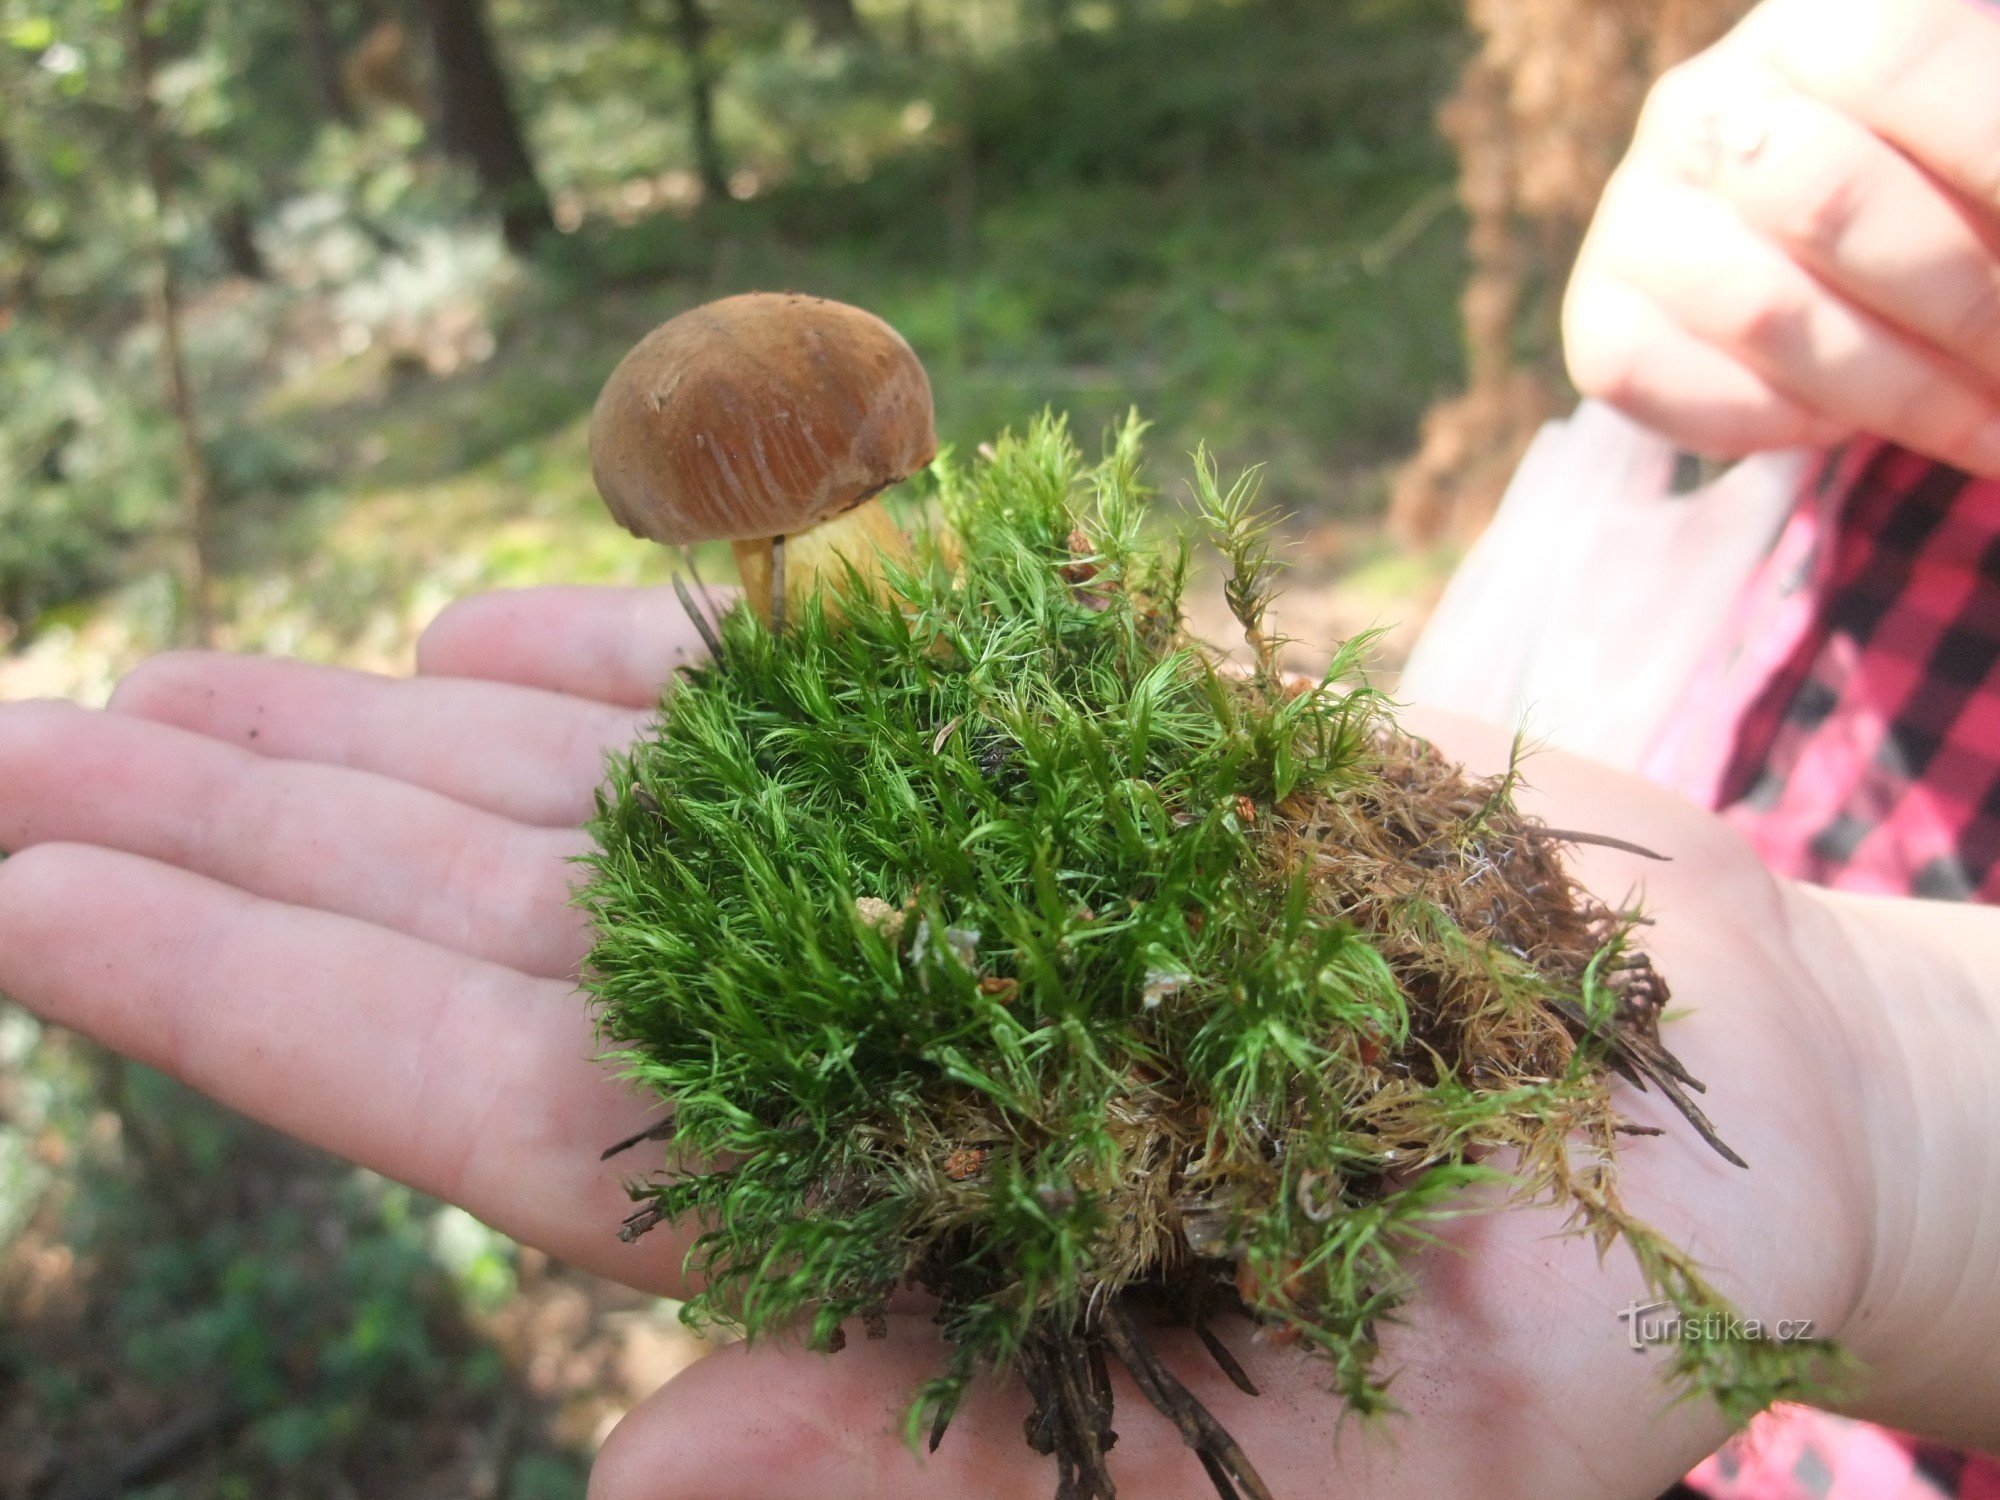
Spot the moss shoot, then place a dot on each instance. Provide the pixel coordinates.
(987, 934)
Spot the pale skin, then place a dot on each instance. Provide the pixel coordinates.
(338, 903)
(1804, 241)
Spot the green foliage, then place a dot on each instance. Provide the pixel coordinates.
(317, 1314)
(84, 470)
(317, 1347)
(984, 934)
(1238, 214)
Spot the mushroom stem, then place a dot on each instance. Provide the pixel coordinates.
(863, 537)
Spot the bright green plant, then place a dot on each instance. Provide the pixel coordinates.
(988, 935)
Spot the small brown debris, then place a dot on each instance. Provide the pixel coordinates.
(997, 988)
(966, 1163)
(1246, 812)
(1083, 569)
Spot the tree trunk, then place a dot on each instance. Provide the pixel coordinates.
(197, 481)
(10, 177)
(1540, 118)
(235, 236)
(691, 27)
(476, 119)
(323, 62)
(834, 21)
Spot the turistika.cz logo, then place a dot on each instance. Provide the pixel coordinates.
(1650, 1323)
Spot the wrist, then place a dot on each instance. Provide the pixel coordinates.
(1921, 1000)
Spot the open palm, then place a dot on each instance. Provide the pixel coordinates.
(341, 904)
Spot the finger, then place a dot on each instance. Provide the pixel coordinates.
(617, 645)
(1625, 351)
(322, 836)
(1748, 298)
(461, 1078)
(523, 753)
(1857, 213)
(1918, 73)
(771, 1421)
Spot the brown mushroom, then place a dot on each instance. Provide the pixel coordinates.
(772, 421)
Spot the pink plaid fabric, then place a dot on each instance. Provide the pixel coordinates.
(1849, 725)
(1791, 1452)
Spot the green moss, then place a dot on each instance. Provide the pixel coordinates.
(986, 934)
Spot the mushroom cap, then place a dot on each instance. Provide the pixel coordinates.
(755, 416)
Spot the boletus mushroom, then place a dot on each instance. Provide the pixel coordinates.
(772, 421)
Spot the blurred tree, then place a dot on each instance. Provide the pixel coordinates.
(236, 236)
(10, 177)
(476, 120)
(379, 70)
(322, 54)
(692, 27)
(834, 21)
(197, 482)
(1541, 116)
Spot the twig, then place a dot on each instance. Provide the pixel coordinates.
(701, 585)
(701, 625)
(658, 1131)
(639, 1221)
(197, 482)
(1219, 1352)
(1601, 840)
(1072, 1416)
(1221, 1457)
(1642, 1059)
(1377, 256)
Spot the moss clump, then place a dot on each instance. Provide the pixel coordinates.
(994, 938)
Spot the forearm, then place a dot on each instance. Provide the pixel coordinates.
(1924, 981)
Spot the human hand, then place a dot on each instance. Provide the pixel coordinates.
(354, 926)
(1803, 243)
(340, 903)
(1511, 1361)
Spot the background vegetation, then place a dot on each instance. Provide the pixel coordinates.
(302, 306)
